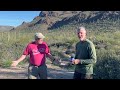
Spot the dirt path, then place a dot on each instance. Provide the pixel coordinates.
(54, 72)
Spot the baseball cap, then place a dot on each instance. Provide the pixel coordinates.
(39, 35)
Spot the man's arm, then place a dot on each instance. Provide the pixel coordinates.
(15, 63)
(51, 57)
(93, 57)
(54, 61)
(25, 53)
(92, 53)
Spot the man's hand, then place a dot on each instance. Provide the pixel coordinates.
(14, 63)
(56, 61)
(76, 61)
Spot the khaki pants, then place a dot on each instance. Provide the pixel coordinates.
(35, 72)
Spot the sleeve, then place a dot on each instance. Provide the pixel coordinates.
(26, 50)
(76, 52)
(92, 55)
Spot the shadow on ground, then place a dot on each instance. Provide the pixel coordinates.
(22, 73)
(59, 74)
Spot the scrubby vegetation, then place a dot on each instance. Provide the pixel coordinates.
(105, 35)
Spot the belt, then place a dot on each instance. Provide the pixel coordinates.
(36, 65)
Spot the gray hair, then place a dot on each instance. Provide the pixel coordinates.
(81, 28)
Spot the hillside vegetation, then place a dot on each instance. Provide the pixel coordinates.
(5, 28)
(105, 35)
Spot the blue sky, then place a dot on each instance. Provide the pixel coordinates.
(15, 18)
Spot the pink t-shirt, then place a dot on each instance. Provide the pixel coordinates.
(37, 53)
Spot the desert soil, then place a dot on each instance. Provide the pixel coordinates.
(54, 72)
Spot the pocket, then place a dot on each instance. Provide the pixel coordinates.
(32, 68)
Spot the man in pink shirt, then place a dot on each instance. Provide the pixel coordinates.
(38, 50)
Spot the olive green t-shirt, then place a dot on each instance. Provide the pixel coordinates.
(85, 51)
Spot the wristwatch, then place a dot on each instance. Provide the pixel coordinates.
(53, 59)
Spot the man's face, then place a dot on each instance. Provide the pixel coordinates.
(39, 41)
(82, 35)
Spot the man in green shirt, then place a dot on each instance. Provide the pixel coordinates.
(85, 56)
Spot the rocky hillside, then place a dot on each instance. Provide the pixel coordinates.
(6, 28)
(54, 19)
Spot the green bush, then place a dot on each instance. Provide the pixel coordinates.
(5, 63)
(107, 66)
(105, 35)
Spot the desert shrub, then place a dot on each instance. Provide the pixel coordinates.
(107, 66)
(5, 63)
(105, 35)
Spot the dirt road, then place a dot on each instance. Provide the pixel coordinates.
(54, 72)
